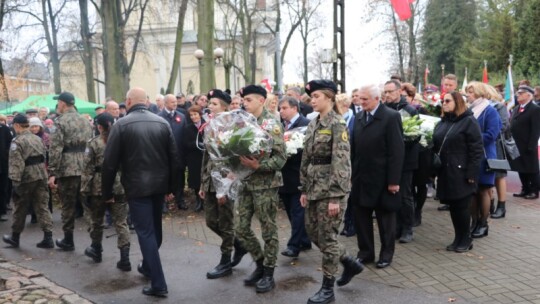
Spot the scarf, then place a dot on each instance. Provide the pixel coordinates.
(478, 106)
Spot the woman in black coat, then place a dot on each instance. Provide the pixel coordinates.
(192, 143)
(458, 141)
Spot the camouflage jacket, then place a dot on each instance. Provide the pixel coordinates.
(91, 175)
(325, 171)
(68, 143)
(27, 159)
(206, 178)
(268, 175)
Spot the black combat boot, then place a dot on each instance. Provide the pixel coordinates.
(13, 240)
(224, 268)
(94, 251)
(239, 252)
(198, 204)
(124, 263)
(351, 267)
(256, 275)
(266, 283)
(66, 244)
(47, 241)
(325, 294)
(500, 212)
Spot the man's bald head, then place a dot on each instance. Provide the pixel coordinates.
(170, 102)
(112, 108)
(135, 96)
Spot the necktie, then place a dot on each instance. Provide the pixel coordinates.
(357, 109)
(369, 117)
(521, 109)
(172, 114)
(287, 124)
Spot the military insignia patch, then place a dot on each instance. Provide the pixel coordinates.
(325, 132)
(13, 147)
(277, 130)
(345, 136)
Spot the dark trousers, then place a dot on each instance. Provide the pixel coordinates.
(461, 219)
(529, 182)
(364, 233)
(299, 238)
(348, 220)
(179, 195)
(4, 190)
(146, 216)
(405, 215)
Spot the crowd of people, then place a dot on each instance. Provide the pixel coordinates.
(129, 165)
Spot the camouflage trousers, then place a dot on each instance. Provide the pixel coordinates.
(262, 203)
(68, 189)
(323, 231)
(118, 210)
(220, 219)
(35, 194)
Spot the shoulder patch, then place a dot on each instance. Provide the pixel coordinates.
(345, 136)
(325, 132)
(342, 121)
(13, 146)
(276, 130)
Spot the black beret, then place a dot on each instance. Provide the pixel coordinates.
(20, 119)
(320, 84)
(66, 97)
(253, 89)
(98, 108)
(105, 119)
(216, 93)
(31, 111)
(524, 88)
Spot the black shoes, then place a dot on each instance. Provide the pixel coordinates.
(481, 231)
(531, 196)
(143, 271)
(47, 241)
(521, 194)
(266, 283)
(124, 264)
(224, 268)
(149, 291)
(325, 294)
(406, 237)
(66, 243)
(365, 261)
(290, 253)
(94, 251)
(256, 275)
(239, 253)
(351, 267)
(12, 239)
(181, 204)
(500, 212)
(464, 248)
(382, 264)
(198, 204)
(444, 207)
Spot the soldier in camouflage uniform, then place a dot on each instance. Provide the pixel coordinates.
(259, 194)
(66, 162)
(219, 213)
(29, 177)
(91, 188)
(325, 177)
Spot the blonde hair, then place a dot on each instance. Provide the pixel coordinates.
(343, 100)
(478, 89)
(268, 102)
(493, 94)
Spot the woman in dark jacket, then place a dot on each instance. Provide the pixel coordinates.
(458, 141)
(192, 142)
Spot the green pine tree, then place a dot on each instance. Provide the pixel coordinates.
(527, 48)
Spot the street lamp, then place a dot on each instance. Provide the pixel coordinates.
(218, 54)
(199, 54)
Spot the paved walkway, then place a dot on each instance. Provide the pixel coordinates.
(502, 268)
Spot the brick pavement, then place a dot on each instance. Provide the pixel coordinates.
(502, 268)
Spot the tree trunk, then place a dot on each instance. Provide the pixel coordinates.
(87, 55)
(253, 59)
(399, 46)
(115, 85)
(412, 70)
(205, 41)
(305, 61)
(4, 94)
(52, 44)
(245, 26)
(177, 47)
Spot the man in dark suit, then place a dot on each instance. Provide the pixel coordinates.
(377, 153)
(177, 121)
(355, 102)
(289, 193)
(142, 144)
(296, 93)
(525, 128)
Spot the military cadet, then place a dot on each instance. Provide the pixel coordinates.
(259, 194)
(325, 177)
(29, 177)
(66, 162)
(91, 187)
(218, 211)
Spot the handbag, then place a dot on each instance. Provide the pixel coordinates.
(436, 163)
(510, 147)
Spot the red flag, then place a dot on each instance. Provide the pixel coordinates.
(485, 75)
(267, 84)
(402, 8)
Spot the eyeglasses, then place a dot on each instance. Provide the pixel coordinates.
(447, 100)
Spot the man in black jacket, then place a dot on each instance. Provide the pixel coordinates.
(405, 217)
(296, 93)
(289, 193)
(142, 144)
(5, 141)
(177, 121)
(377, 152)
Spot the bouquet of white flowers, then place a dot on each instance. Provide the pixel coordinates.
(228, 136)
(294, 140)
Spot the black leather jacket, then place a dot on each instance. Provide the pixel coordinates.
(142, 145)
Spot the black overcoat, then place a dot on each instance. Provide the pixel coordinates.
(291, 169)
(525, 128)
(191, 149)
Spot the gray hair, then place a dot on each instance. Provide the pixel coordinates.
(372, 89)
(296, 90)
(45, 109)
(293, 102)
